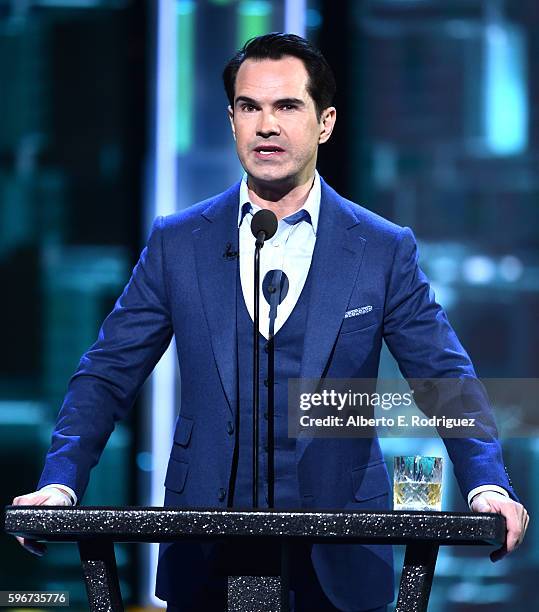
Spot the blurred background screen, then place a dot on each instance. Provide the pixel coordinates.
(113, 111)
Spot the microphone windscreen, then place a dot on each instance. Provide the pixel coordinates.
(275, 280)
(266, 221)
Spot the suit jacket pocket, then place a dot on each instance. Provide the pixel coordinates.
(361, 321)
(176, 475)
(182, 435)
(370, 481)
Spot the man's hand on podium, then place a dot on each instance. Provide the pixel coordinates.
(46, 497)
(515, 514)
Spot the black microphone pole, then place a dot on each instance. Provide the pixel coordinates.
(276, 293)
(256, 371)
(263, 226)
(271, 420)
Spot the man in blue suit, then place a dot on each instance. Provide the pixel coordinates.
(353, 281)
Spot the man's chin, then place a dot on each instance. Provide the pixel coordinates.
(269, 176)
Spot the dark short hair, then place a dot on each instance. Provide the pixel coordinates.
(321, 85)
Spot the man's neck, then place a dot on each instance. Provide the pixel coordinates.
(282, 201)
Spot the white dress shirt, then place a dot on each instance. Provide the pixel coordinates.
(290, 250)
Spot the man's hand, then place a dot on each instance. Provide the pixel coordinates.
(47, 497)
(515, 514)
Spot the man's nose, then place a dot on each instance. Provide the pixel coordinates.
(267, 125)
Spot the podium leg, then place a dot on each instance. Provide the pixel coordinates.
(417, 575)
(100, 575)
(260, 593)
(263, 593)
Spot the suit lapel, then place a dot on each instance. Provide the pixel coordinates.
(336, 261)
(217, 277)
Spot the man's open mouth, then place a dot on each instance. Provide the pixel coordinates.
(267, 150)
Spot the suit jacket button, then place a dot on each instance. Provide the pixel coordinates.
(230, 427)
(222, 494)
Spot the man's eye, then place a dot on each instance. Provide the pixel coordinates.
(248, 108)
(288, 107)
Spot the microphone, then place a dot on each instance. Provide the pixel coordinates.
(230, 253)
(263, 225)
(275, 282)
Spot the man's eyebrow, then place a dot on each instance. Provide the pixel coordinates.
(246, 100)
(291, 101)
(281, 102)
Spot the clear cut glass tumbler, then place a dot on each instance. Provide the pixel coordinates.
(417, 483)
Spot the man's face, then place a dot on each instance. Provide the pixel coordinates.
(275, 123)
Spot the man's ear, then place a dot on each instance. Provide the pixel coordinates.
(231, 119)
(327, 123)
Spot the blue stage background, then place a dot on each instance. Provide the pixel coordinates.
(112, 111)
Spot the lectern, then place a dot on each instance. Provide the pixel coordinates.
(96, 529)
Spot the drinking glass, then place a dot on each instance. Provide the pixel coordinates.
(417, 483)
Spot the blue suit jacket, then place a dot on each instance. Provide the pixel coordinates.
(182, 285)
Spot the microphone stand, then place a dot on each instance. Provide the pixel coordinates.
(274, 303)
(271, 421)
(263, 226)
(275, 300)
(256, 367)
